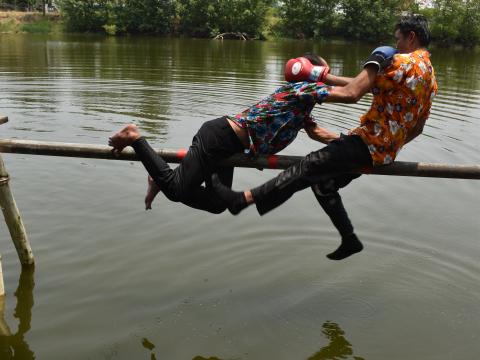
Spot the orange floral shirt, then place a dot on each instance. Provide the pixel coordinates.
(402, 96)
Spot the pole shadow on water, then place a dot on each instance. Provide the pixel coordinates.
(339, 347)
(14, 346)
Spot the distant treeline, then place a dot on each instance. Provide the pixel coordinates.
(22, 5)
(451, 21)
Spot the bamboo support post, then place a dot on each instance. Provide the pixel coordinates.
(2, 286)
(399, 168)
(12, 217)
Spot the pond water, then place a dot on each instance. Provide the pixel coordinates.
(113, 281)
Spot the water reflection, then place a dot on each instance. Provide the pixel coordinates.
(14, 346)
(339, 348)
(147, 344)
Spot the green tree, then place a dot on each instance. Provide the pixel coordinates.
(469, 34)
(197, 17)
(144, 16)
(84, 15)
(370, 20)
(446, 21)
(308, 18)
(455, 22)
(246, 16)
(210, 17)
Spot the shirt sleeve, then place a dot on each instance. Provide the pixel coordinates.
(398, 68)
(311, 92)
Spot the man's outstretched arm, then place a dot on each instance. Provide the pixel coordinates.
(320, 134)
(334, 80)
(356, 88)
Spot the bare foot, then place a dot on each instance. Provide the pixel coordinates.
(152, 191)
(124, 138)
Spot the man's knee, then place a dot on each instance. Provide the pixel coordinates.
(318, 162)
(175, 193)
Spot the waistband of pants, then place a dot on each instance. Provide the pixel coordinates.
(222, 128)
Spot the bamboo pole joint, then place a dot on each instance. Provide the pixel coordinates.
(4, 180)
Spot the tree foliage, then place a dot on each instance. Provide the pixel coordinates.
(144, 16)
(85, 15)
(308, 18)
(370, 20)
(241, 15)
(19, 4)
(198, 17)
(451, 21)
(456, 22)
(192, 17)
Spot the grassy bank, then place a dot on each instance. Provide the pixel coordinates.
(12, 22)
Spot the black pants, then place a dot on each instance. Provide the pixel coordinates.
(326, 171)
(214, 141)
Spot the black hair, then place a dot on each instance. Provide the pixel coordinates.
(416, 23)
(313, 58)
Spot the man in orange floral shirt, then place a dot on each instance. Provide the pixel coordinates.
(402, 97)
(403, 87)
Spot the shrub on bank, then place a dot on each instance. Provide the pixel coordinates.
(15, 22)
(84, 15)
(42, 26)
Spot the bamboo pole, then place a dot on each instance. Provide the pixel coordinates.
(2, 287)
(399, 168)
(3, 120)
(12, 215)
(13, 219)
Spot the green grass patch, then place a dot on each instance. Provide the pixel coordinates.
(37, 27)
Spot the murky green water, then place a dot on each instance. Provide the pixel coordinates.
(115, 282)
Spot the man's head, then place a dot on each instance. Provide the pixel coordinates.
(315, 59)
(411, 33)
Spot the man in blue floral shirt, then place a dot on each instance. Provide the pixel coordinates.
(273, 123)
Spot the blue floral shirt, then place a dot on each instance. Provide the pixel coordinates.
(273, 123)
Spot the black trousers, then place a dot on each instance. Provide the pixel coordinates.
(214, 141)
(326, 171)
